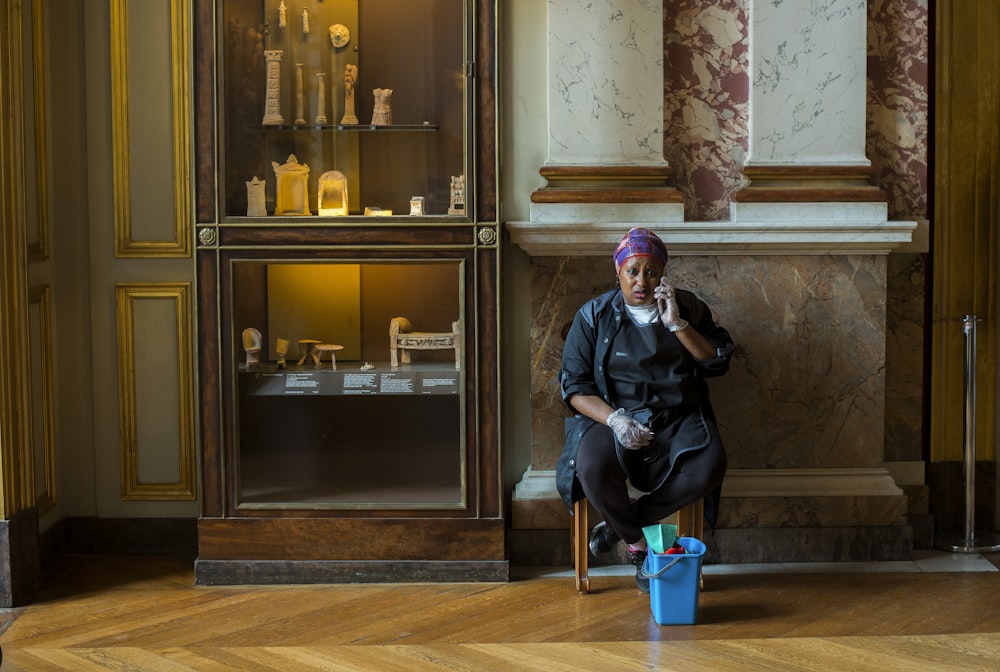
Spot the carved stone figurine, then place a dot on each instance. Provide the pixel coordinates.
(272, 94)
(320, 97)
(281, 346)
(300, 112)
(350, 80)
(332, 194)
(457, 206)
(382, 114)
(256, 197)
(252, 343)
(293, 179)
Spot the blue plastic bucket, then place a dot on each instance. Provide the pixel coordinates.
(674, 583)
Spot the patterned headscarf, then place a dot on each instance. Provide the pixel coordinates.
(640, 242)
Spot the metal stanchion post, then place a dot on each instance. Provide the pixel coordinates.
(968, 542)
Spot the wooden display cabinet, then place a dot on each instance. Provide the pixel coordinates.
(379, 459)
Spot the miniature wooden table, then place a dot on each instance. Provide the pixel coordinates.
(321, 348)
(307, 346)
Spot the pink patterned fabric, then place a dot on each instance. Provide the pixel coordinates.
(639, 242)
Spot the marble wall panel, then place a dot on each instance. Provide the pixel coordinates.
(897, 145)
(605, 70)
(705, 101)
(807, 381)
(898, 103)
(808, 82)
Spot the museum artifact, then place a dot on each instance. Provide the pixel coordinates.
(321, 98)
(417, 205)
(382, 113)
(272, 94)
(332, 196)
(402, 339)
(282, 15)
(281, 347)
(292, 187)
(307, 346)
(252, 343)
(305, 21)
(350, 80)
(457, 206)
(300, 116)
(321, 349)
(256, 197)
(339, 35)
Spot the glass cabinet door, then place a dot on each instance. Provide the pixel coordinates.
(336, 108)
(349, 384)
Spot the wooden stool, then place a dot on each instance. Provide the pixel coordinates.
(321, 348)
(690, 523)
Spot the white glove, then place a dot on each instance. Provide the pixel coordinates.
(630, 432)
(670, 312)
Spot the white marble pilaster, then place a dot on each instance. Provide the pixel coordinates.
(807, 82)
(605, 88)
(605, 111)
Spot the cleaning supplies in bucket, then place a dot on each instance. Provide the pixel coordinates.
(674, 579)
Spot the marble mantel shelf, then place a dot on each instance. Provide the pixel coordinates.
(581, 238)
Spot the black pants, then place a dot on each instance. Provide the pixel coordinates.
(695, 474)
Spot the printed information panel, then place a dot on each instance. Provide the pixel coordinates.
(330, 382)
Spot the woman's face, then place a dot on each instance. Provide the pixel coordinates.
(637, 277)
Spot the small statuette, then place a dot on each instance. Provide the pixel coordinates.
(417, 205)
(282, 15)
(332, 197)
(281, 347)
(252, 344)
(382, 113)
(300, 114)
(256, 197)
(321, 98)
(272, 96)
(350, 79)
(293, 179)
(457, 206)
(305, 21)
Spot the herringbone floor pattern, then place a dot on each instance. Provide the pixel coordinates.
(147, 614)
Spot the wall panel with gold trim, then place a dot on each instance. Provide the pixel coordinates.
(151, 109)
(155, 374)
(42, 395)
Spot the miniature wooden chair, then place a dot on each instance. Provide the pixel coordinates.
(690, 523)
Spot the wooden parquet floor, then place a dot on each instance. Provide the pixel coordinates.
(120, 614)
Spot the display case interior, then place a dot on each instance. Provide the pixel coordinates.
(349, 384)
(344, 107)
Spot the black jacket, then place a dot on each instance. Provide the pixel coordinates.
(583, 371)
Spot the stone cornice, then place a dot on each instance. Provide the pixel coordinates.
(757, 237)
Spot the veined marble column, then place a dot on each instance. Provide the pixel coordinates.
(605, 116)
(807, 110)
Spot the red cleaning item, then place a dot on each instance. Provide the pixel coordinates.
(676, 549)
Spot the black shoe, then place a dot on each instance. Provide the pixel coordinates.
(641, 578)
(603, 538)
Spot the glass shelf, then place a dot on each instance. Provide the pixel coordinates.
(352, 128)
